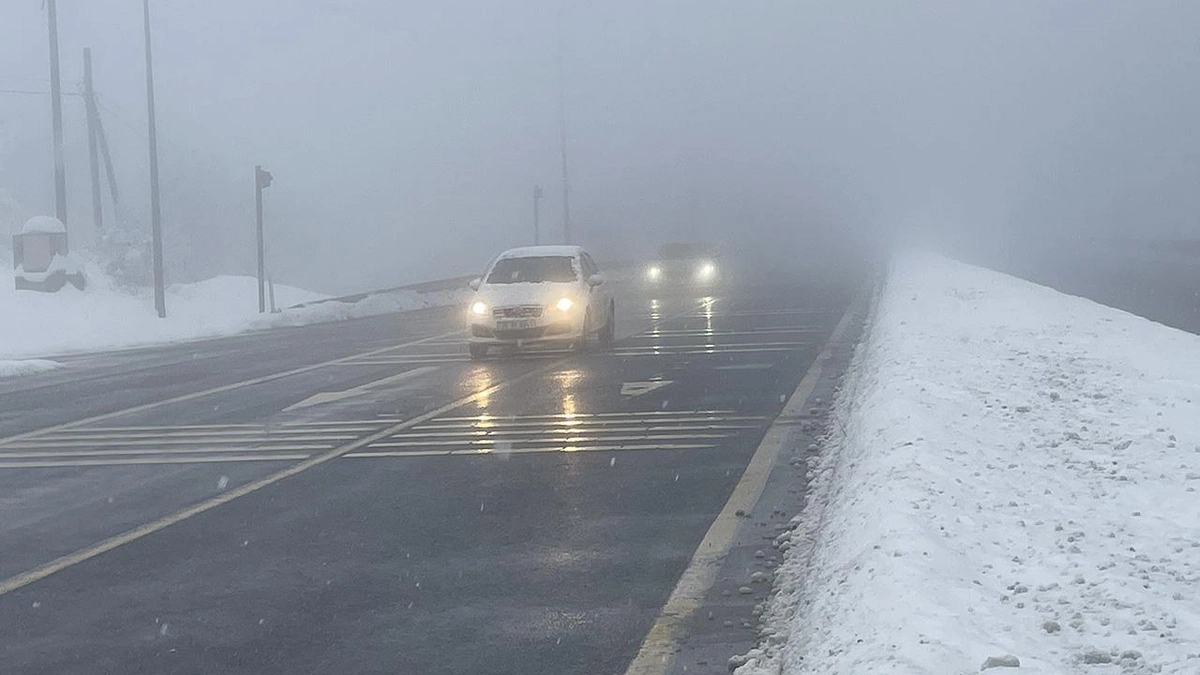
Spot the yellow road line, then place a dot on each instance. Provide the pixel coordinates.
(655, 655)
(63, 562)
(209, 392)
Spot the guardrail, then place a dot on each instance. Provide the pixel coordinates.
(451, 284)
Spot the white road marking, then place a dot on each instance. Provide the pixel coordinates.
(118, 441)
(706, 422)
(63, 562)
(716, 350)
(165, 452)
(535, 440)
(530, 451)
(701, 332)
(214, 390)
(325, 397)
(632, 389)
(655, 655)
(14, 583)
(705, 414)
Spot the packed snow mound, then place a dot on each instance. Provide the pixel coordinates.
(212, 296)
(1013, 478)
(26, 367)
(44, 225)
(103, 317)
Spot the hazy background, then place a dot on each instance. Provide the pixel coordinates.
(406, 137)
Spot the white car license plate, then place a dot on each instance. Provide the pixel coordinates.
(515, 324)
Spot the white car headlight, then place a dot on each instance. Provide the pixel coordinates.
(654, 272)
(479, 308)
(564, 304)
(706, 271)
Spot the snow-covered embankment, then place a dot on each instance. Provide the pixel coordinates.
(1012, 476)
(105, 317)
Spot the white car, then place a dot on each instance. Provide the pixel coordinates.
(539, 295)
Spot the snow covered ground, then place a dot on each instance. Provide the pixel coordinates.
(102, 317)
(1012, 477)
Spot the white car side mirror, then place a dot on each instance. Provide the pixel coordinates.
(595, 280)
(475, 284)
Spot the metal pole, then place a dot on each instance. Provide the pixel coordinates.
(108, 168)
(258, 220)
(60, 172)
(537, 232)
(562, 118)
(160, 301)
(89, 94)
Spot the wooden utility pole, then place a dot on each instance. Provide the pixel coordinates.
(60, 170)
(89, 102)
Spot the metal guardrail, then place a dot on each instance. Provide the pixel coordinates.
(453, 283)
(422, 287)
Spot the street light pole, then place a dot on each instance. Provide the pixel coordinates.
(537, 232)
(262, 179)
(89, 96)
(160, 301)
(562, 119)
(60, 171)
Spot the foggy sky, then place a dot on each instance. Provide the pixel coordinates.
(406, 137)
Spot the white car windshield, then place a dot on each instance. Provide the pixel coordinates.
(533, 270)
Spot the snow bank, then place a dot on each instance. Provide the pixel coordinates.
(26, 367)
(372, 305)
(1013, 473)
(103, 317)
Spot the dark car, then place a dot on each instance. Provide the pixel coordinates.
(684, 263)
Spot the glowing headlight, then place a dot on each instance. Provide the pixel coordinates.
(653, 272)
(479, 308)
(706, 271)
(564, 304)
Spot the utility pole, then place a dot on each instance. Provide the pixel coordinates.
(89, 101)
(108, 167)
(60, 171)
(537, 232)
(262, 179)
(160, 300)
(562, 119)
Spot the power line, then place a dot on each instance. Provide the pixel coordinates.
(31, 92)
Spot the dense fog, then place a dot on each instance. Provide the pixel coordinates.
(406, 138)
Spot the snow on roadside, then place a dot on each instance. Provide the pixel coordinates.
(372, 305)
(103, 317)
(17, 368)
(1013, 472)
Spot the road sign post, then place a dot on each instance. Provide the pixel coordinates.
(262, 179)
(160, 297)
(537, 197)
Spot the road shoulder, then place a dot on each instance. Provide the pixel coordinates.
(712, 612)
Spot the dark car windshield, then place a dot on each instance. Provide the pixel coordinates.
(684, 251)
(533, 270)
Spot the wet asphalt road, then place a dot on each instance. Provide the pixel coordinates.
(524, 515)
